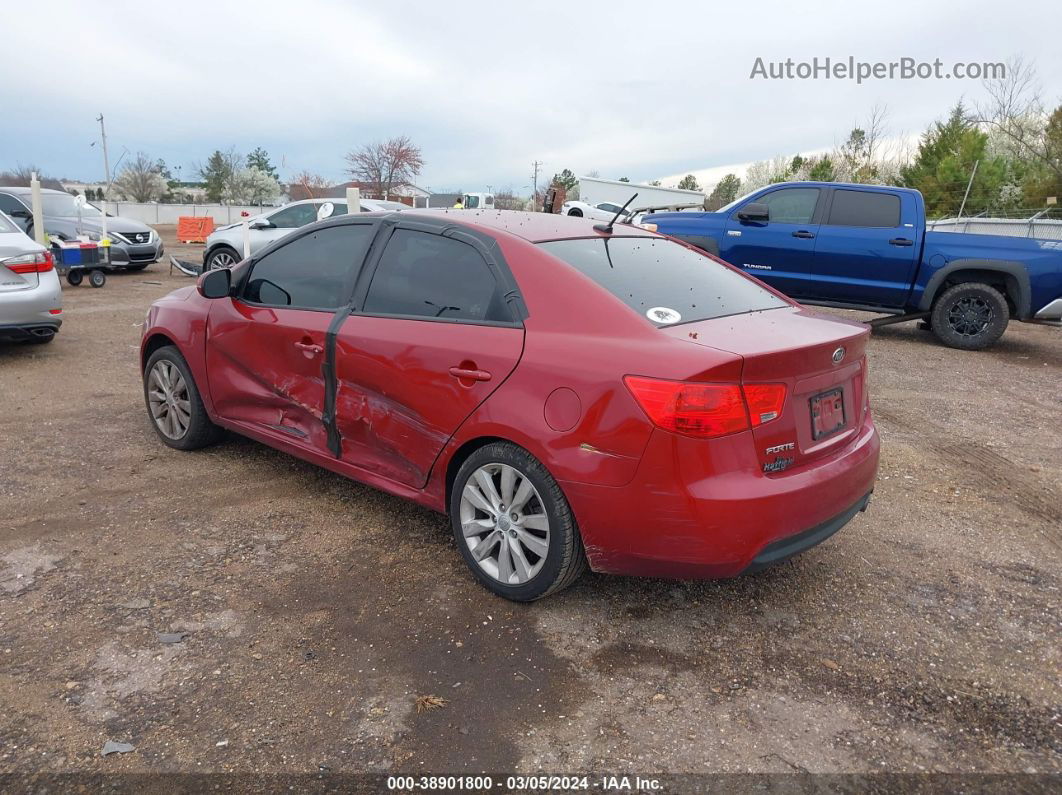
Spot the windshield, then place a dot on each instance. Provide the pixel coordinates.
(735, 203)
(471, 202)
(64, 205)
(663, 280)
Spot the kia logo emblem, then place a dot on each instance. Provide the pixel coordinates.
(838, 356)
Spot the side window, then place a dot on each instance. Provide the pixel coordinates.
(864, 208)
(315, 271)
(9, 204)
(792, 205)
(294, 216)
(609, 208)
(425, 275)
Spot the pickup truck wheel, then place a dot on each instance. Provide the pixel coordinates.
(970, 316)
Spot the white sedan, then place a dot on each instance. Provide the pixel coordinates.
(605, 211)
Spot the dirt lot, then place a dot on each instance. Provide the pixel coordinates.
(923, 637)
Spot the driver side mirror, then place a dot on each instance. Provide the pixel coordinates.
(215, 283)
(754, 211)
(260, 223)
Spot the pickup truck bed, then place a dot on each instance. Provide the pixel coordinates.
(867, 247)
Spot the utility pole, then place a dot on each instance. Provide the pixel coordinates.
(534, 197)
(106, 177)
(968, 186)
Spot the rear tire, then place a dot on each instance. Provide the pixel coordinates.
(527, 549)
(181, 423)
(970, 316)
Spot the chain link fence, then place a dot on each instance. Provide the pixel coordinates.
(1043, 224)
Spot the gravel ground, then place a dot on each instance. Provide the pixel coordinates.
(313, 612)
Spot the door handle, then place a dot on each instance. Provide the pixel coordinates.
(469, 375)
(803, 234)
(309, 348)
(901, 241)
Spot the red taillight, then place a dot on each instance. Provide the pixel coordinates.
(41, 262)
(765, 402)
(706, 410)
(701, 410)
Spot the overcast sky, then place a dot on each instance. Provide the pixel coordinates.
(643, 90)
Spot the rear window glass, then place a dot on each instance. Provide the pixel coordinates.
(864, 208)
(662, 280)
(6, 226)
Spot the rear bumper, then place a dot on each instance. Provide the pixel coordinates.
(35, 307)
(29, 331)
(728, 521)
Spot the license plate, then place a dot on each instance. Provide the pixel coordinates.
(827, 413)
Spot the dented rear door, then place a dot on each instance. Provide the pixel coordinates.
(397, 403)
(431, 337)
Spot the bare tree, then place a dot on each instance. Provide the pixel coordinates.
(20, 175)
(313, 185)
(141, 180)
(1015, 110)
(384, 164)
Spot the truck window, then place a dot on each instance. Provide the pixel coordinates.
(791, 205)
(864, 208)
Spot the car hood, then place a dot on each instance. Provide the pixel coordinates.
(239, 223)
(119, 225)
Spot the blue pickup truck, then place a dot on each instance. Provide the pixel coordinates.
(866, 247)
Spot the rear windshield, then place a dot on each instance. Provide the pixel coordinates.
(662, 280)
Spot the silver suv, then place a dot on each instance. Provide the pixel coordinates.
(224, 246)
(134, 245)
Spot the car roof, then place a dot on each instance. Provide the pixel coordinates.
(533, 227)
(21, 190)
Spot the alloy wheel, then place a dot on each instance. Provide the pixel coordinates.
(504, 523)
(222, 259)
(970, 316)
(168, 399)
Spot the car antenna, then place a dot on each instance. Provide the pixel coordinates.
(607, 228)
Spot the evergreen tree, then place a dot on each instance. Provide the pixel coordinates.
(259, 159)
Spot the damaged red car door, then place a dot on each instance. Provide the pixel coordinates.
(265, 348)
(432, 337)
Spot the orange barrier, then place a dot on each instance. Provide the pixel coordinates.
(194, 229)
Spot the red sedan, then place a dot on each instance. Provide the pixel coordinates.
(569, 395)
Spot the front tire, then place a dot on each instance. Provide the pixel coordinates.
(575, 213)
(173, 402)
(513, 526)
(221, 257)
(970, 316)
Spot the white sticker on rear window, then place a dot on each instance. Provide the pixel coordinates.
(661, 314)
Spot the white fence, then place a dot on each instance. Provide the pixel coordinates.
(150, 213)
